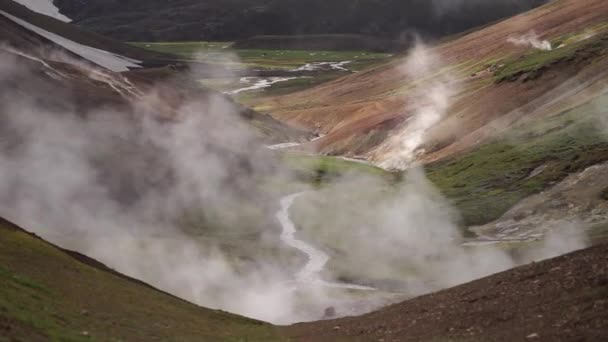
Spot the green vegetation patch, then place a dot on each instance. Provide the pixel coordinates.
(47, 295)
(320, 170)
(220, 52)
(533, 63)
(487, 181)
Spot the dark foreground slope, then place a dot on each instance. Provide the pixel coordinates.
(561, 299)
(49, 293)
(146, 20)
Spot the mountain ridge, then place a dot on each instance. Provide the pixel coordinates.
(237, 19)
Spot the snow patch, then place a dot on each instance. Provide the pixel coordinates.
(283, 146)
(45, 7)
(258, 83)
(108, 60)
(324, 66)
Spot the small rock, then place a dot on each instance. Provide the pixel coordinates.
(85, 333)
(531, 336)
(337, 327)
(329, 312)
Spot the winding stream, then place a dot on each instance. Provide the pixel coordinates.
(317, 259)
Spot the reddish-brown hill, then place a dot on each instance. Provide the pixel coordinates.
(358, 110)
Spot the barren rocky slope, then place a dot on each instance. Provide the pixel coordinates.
(562, 299)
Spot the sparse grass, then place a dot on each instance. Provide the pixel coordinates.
(487, 181)
(46, 295)
(534, 62)
(290, 86)
(319, 170)
(221, 54)
(264, 59)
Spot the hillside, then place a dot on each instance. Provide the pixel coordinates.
(52, 25)
(194, 20)
(368, 105)
(503, 110)
(48, 293)
(85, 61)
(562, 299)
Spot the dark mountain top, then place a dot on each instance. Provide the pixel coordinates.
(158, 20)
(68, 31)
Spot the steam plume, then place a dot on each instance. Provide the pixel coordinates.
(531, 39)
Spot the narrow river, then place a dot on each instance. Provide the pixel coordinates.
(317, 259)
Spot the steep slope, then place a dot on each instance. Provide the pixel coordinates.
(235, 19)
(82, 37)
(45, 7)
(358, 112)
(562, 299)
(47, 293)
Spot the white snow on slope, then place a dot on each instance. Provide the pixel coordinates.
(323, 66)
(102, 58)
(45, 7)
(258, 83)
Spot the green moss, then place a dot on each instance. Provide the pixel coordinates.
(487, 181)
(46, 294)
(319, 170)
(533, 63)
(21, 281)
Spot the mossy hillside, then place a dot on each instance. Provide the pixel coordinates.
(322, 170)
(565, 49)
(46, 294)
(487, 181)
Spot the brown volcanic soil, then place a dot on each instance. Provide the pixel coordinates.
(561, 299)
(351, 108)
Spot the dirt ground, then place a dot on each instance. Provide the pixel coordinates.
(561, 299)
